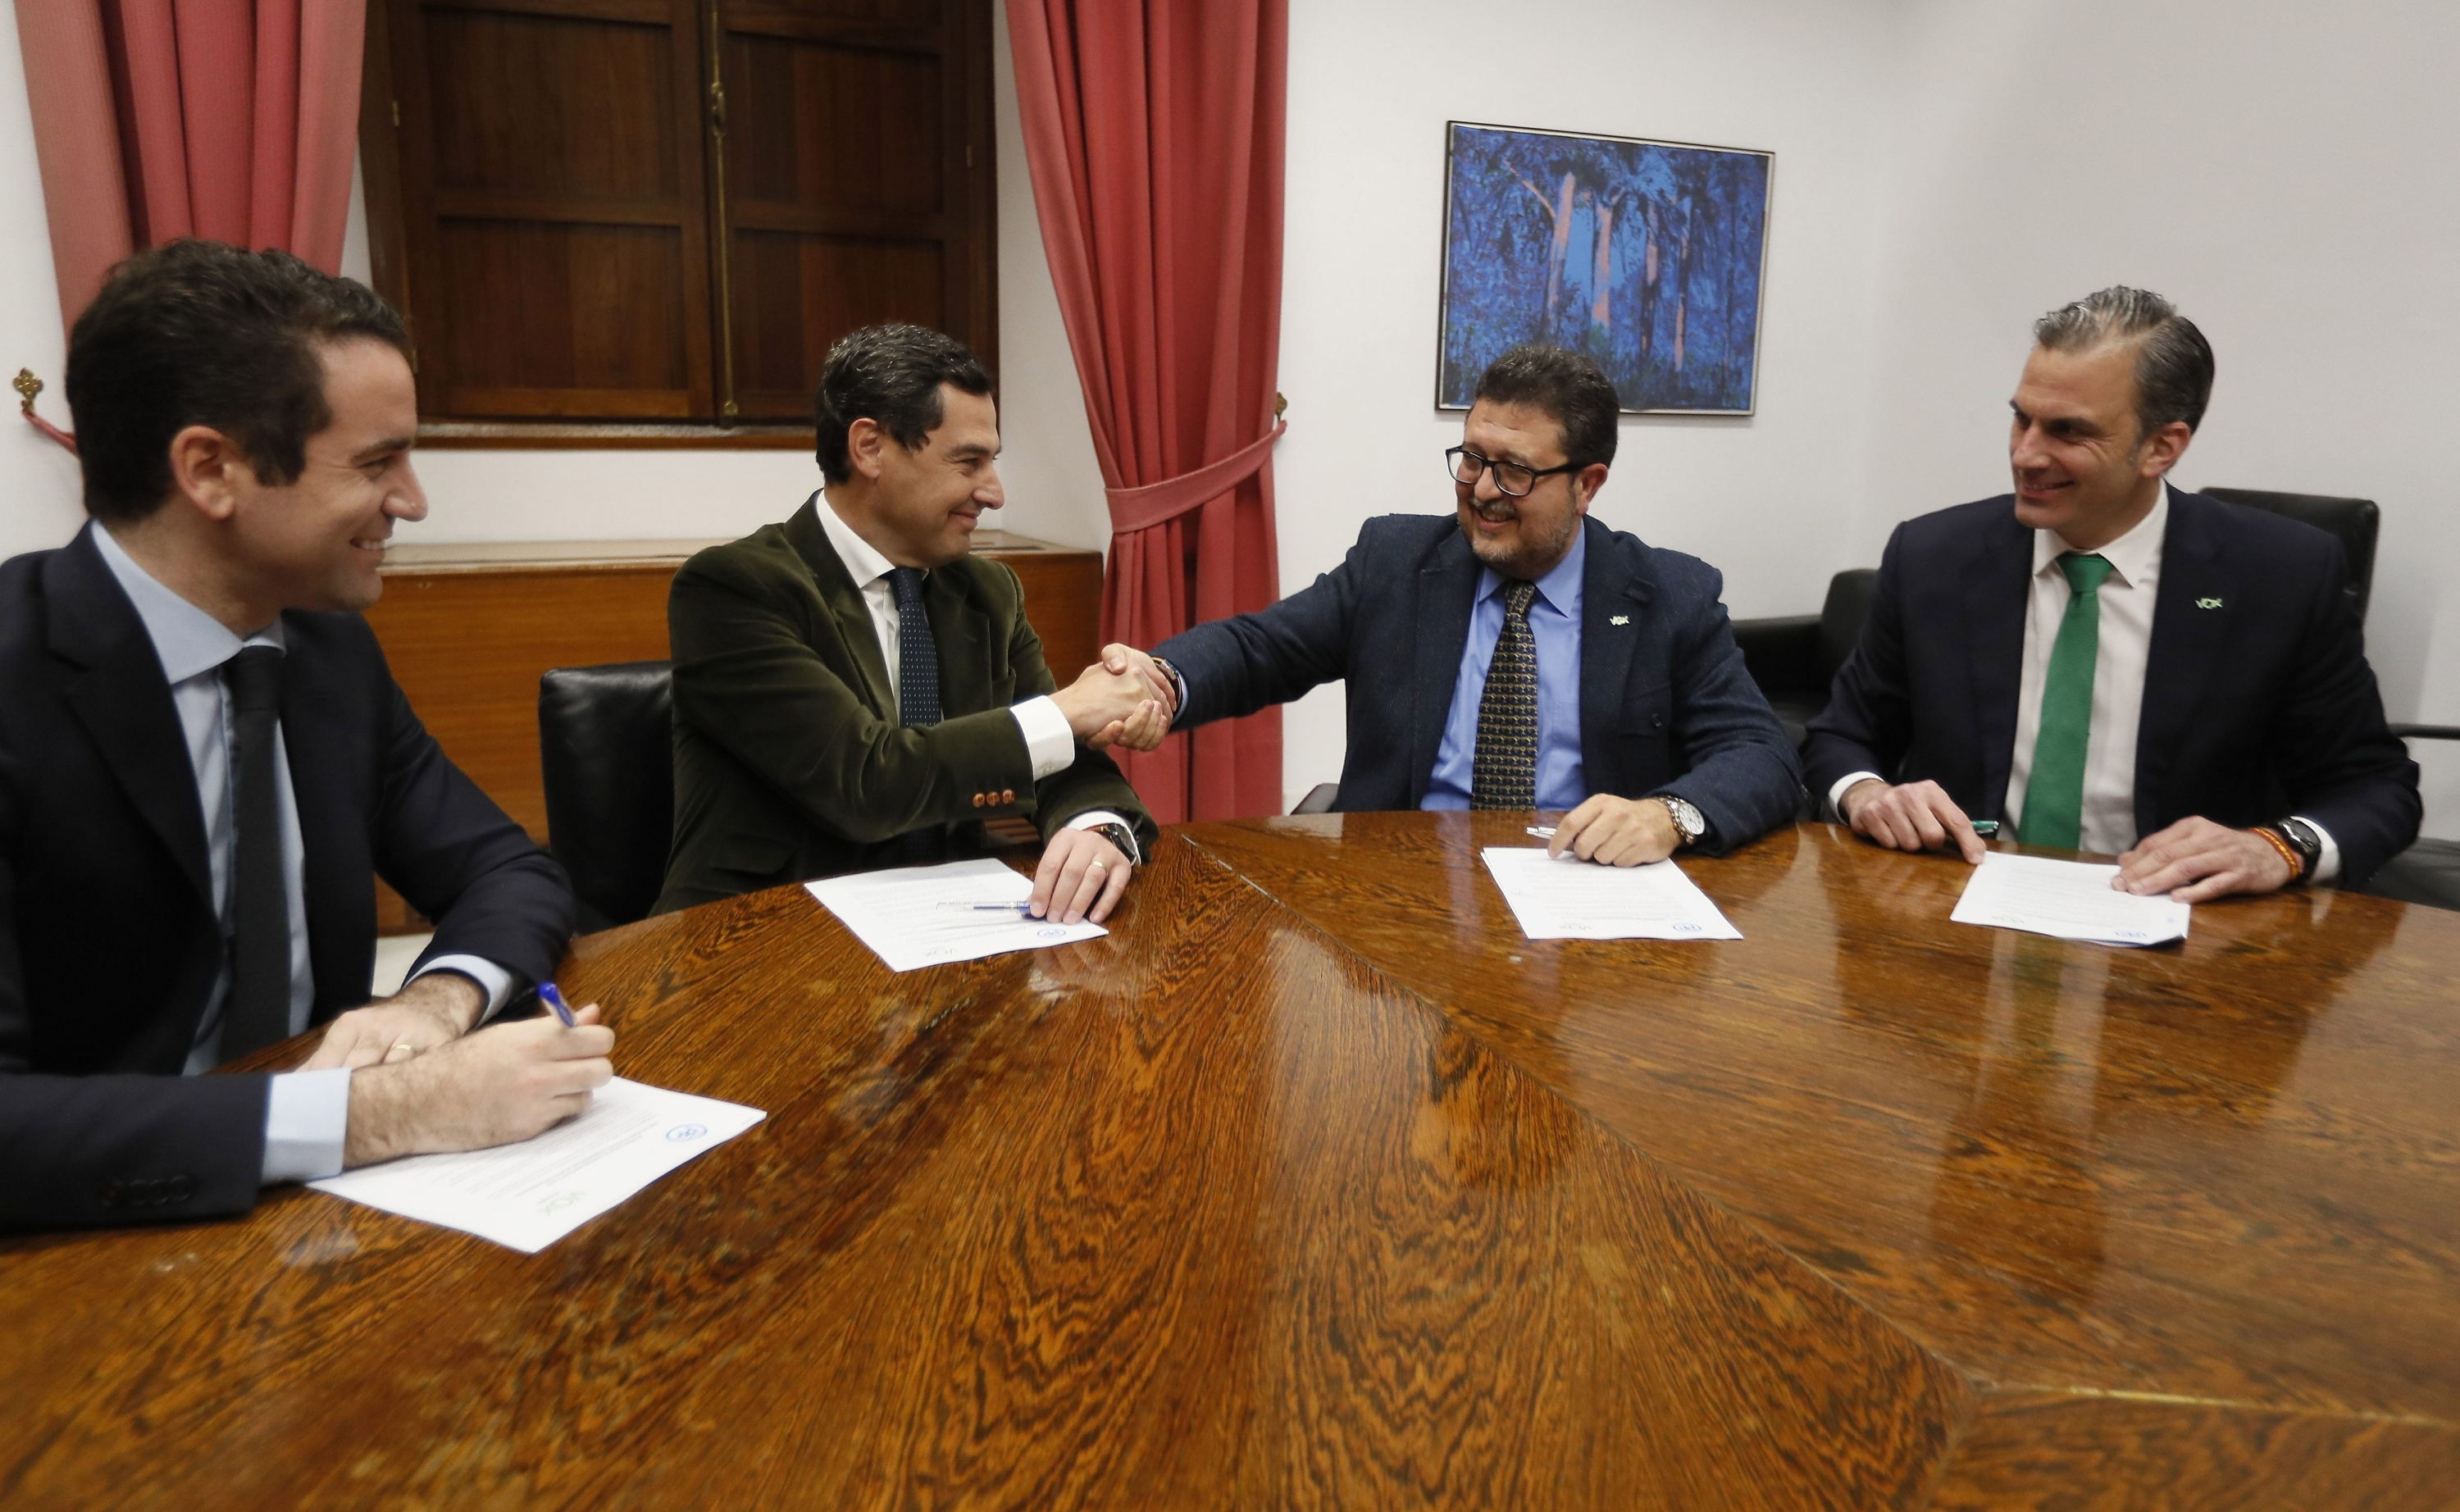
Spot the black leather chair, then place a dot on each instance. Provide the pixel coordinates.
(1794, 658)
(606, 750)
(2357, 521)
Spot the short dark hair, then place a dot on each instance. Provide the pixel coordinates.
(2174, 362)
(1564, 384)
(202, 333)
(889, 375)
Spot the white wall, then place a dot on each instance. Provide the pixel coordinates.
(38, 479)
(1772, 499)
(2283, 171)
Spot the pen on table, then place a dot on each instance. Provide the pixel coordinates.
(1541, 831)
(1986, 827)
(554, 999)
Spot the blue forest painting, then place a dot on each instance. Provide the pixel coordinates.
(1646, 255)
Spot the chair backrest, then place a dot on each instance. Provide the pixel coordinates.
(2357, 521)
(1849, 594)
(606, 750)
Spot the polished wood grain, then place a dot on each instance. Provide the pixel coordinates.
(1315, 1184)
(1205, 1213)
(2153, 1203)
(469, 630)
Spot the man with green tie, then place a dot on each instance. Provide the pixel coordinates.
(2103, 662)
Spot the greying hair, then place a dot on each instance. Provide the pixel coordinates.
(1565, 385)
(2174, 362)
(890, 376)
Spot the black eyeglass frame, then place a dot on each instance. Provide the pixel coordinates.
(1488, 464)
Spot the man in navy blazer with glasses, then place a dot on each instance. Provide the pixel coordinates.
(2107, 663)
(1516, 654)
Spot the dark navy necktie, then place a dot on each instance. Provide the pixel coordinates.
(258, 1011)
(918, 696)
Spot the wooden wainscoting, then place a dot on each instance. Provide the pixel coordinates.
(470, 629)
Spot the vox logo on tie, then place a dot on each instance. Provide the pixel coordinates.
(2208, 604)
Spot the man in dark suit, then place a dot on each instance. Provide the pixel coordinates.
(2109, 663)
(203, 762)
(854, 690)
(1516, 654)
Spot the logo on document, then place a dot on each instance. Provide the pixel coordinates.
(687, 1131)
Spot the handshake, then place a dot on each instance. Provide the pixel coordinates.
(1124, 699)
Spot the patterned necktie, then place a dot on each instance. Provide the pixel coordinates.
(258, 1011)
(2054, 791)
(918, 696)
(1503, 773)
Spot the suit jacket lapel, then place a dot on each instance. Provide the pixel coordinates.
(1446, 584)
(1613, 584)
(2188, 640)
(1996, 598)
(963, 634)
(125, 703)
(334, 815)
(845, 605)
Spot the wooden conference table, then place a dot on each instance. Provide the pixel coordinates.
(1315, 1184)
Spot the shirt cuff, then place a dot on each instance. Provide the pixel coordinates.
(307, 1121)
(2328, 865)
(1092, 816)
(1845, 783)
(492, 979)
(1050, 743)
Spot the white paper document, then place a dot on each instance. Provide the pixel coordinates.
(1571, 899)
(529, 1195)
(917, 916)
(2069, 900)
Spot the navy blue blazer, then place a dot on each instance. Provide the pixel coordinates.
(109, 942)
(1665, 705)
(2255, 708)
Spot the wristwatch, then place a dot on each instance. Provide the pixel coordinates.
(1124, 837)
(2304, 841)
(1688, 824)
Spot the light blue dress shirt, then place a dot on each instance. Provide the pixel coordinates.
(1555, 627)
(308, 1114)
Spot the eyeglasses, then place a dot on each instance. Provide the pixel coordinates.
(1511, 479)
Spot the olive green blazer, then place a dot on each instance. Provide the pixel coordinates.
(789, 760)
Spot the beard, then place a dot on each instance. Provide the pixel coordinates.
(1532, 549)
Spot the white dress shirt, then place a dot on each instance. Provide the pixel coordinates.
(2128, 598)
(308, 1114)
(1050, 742)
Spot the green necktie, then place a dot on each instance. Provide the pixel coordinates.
(2054, 793)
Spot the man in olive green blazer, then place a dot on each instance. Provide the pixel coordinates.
(854, 690)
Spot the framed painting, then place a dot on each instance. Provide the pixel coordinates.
(1646, 255)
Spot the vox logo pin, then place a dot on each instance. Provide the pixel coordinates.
(1619, 619)
(2208, 604)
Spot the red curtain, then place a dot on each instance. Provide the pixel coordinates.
(1154, 129)
(230, 119)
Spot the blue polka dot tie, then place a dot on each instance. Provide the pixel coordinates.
(918, 696)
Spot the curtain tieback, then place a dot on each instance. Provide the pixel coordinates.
(1135, 509)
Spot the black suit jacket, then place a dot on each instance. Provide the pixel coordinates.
(2258, 699)
(109, 944)
(1665, 704)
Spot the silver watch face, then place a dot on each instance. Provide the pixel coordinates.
(1687, 818)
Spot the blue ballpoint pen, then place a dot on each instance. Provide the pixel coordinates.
(554, 999)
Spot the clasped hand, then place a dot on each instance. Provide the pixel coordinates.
(1123, 699)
